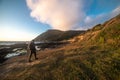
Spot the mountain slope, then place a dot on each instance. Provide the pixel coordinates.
(49, 35)
(57, 35)
(69, 34)
(94, 55)
(102, 33)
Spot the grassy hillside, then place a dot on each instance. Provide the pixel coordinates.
(69, 34)
(94, 55)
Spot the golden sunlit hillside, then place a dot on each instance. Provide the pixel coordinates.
(94, 55)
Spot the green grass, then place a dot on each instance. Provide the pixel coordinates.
(85, 63)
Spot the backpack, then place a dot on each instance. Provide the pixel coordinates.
(32, 46)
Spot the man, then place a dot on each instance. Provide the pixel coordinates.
(32, 50)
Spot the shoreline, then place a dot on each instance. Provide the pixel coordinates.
(17, 49)
(7, 49)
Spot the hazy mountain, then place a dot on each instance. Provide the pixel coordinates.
(57, 35)
(50, 35)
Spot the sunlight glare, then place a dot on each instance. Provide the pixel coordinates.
(15, 35)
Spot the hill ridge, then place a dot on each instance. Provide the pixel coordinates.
(57, 35)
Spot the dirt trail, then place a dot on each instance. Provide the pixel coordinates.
(22, 61)
(19, 62)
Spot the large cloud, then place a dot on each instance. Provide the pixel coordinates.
(59, 14)
(70, 14)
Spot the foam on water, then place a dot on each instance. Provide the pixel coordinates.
(17, 53)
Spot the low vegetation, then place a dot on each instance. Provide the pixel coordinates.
(94, 57)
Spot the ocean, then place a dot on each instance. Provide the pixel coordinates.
(11, 42)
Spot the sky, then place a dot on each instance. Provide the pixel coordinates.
(23, 20)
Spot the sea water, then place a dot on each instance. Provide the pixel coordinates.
(16, 53)
(6, 45)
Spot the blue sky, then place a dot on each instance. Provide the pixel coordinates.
(20, 20)
(102, 6)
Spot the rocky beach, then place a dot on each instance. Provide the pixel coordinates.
(10, 48)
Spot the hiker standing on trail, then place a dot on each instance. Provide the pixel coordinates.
(32, 50)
